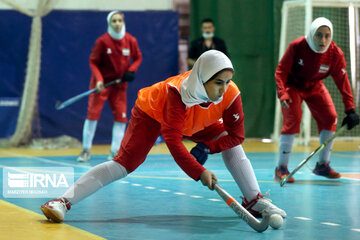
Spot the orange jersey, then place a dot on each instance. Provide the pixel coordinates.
(151, 100)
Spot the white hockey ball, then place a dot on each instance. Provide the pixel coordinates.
(276, 221)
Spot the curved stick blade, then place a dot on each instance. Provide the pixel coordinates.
(242, 212)
(250, 219)
(58, 105)
(318, 149)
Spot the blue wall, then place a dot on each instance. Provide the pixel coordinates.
(68, 37)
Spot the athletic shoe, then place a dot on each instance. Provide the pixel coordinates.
(112, 156)
(326, 171)
(260, 204)
(55, 209)
(84, 156)
(282, 172)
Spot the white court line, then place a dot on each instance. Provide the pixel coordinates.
(195, 196)
(330, 224)
(124, 181)
(179, 193)
(355, 229)
(303, 218)
(164, 190)
(150, 187)
(214, 200)
(136, 184)
(48, 161)
(349, 178)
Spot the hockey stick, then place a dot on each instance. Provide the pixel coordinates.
(340, 131)
(242, 212)
(72, 100)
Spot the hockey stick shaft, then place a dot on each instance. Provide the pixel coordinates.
(84, 94)
(242, 212)
(302, 163)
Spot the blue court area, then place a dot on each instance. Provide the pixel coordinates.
(158, 201)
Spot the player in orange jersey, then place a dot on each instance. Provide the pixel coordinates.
(202, 105)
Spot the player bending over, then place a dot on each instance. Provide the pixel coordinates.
(202, 105)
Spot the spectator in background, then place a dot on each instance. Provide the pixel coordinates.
(110, 59)
(207, 42)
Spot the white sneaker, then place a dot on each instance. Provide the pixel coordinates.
(55, 209)
(84, 156)
(258, 205)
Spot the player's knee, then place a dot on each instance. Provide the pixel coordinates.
(93, 116)
(333, 118)
(120, 117)
(291, 128)
(130, 166)
(330, 121)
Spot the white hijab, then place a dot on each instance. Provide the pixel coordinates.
(110, 30)
(321, 21)
(208, 64)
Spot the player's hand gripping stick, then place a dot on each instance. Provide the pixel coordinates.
(76, 98)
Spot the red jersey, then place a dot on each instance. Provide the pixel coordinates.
(110, 58)
(163, 103)
(302, 68)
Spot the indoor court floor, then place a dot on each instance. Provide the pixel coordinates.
(159, 201)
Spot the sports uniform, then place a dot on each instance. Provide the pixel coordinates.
(110, 60)
(162, 103)
(299, 78)
(114, 55)
(178, 108)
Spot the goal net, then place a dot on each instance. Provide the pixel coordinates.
(28, 117)
(297, 16)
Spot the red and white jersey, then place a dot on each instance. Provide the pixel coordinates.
(302, 68)
(162, 102)
(111, 58)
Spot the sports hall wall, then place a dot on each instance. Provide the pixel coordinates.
(251, 30)
(67, 39)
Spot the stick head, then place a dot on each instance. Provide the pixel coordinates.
(283, 181)
(264, 224)
(58, 105)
